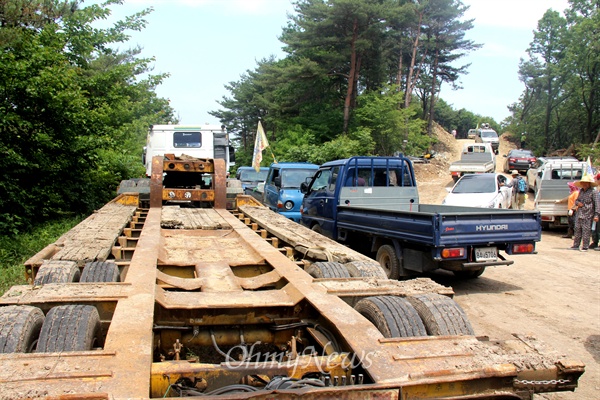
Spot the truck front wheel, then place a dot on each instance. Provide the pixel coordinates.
(386, 257)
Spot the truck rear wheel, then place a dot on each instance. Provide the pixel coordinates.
(441, 315)
(365, 269)
(327, 269)
(392, 315)
(69, 328)
(19, 328)
(386, 257)
(100, 271)
(57, 272)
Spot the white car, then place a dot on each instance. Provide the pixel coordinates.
(480, 190)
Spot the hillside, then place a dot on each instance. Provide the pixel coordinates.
(434, 177)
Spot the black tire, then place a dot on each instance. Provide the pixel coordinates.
(19, 328)
(386, 257)
(469, 274)
(392, 315)
(57, 272)
(441, 315)
(69, 328)
(365, 269)
(100, 271)
(327, 269)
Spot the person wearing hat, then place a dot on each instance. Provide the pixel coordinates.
(520, 190)
(587, 206)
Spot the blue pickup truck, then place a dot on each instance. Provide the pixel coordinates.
(372, 205)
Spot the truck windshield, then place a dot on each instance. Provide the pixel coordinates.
(292, 178)
(475, 184)
(489, 134)
(252, 176)
(187, 139)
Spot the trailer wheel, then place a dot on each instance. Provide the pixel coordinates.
(19, 328)
(386, 257)
(327, 269)
(392, 315)
(441, 315)
(469, 274)
(366, 269)
(57, 272)
(100, 271)
(73, 327)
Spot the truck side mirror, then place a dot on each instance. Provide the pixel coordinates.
(277, 181)
(304, 187)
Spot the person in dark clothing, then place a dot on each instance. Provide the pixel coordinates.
(588, 211)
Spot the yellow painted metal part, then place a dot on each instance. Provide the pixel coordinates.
(169, 372)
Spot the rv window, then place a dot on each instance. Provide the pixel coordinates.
(187, 139)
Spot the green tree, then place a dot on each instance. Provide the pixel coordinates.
(72, 112)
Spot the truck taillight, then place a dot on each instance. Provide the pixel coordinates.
(458, 252)
(522, 248)
(279, 204)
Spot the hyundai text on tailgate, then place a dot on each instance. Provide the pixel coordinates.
(372, 205)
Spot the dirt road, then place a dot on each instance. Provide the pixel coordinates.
(553, 295)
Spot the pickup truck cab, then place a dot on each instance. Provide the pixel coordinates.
(282, 187)
(553, 186)
(371, 204)
(476, 158)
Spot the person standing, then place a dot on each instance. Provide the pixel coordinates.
(596, 232)
(570, 200)
(588, 211)
(519, 187)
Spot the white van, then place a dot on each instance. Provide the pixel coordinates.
(487, 135)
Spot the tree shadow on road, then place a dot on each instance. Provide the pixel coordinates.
(592, 345)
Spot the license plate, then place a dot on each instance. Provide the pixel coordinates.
(486, 254)
(564, 220)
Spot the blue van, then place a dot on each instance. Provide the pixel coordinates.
(249, 177)
(282, 188)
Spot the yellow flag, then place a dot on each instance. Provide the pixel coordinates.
(260, 143)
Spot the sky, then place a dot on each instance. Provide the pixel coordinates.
(206, 44)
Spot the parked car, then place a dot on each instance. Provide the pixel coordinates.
(519, 159)
(480, 190)
(534, 174)
(249, 176)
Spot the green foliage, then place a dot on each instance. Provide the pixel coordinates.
(560, 106)
(14, 251)
(73, 112)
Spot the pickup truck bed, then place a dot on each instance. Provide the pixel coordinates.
(552, 214)
(440, 225)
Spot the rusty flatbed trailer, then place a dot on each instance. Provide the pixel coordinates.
(169, 301)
